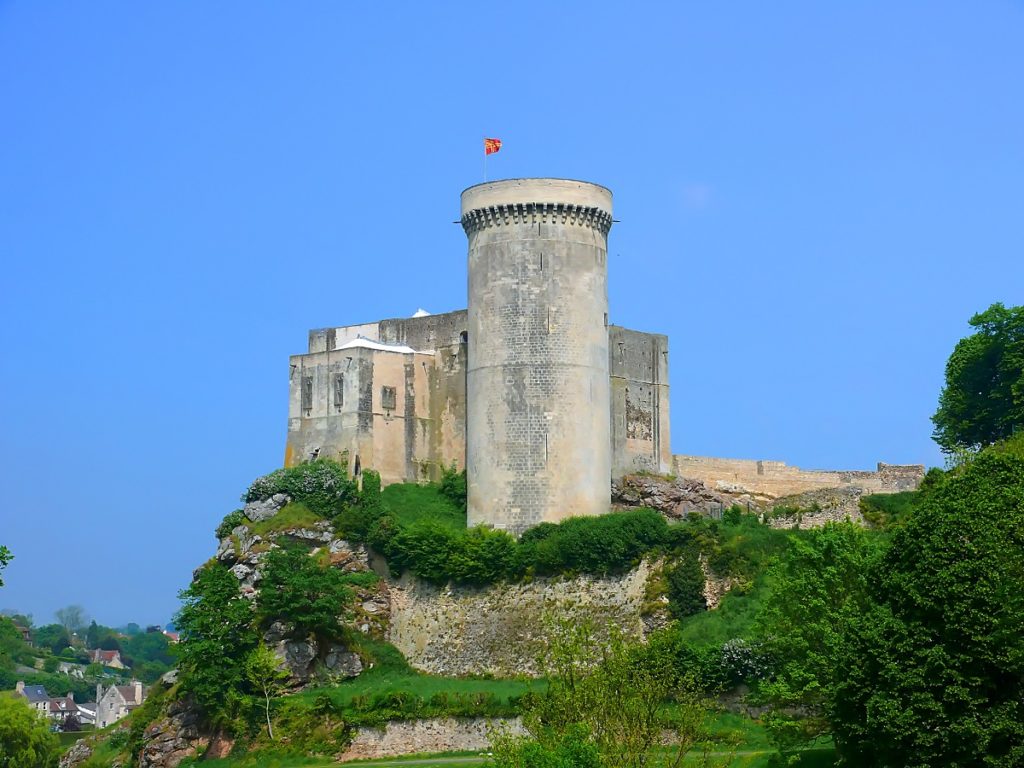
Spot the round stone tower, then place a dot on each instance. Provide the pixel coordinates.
(537, 412)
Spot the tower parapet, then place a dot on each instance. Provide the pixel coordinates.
(537, 420)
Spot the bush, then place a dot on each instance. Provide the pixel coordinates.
(685, 582)
(453, 486)
(355, 519)
(323, 485)
(599, 545)
(231, 521)
(298, 590)
(885, 509)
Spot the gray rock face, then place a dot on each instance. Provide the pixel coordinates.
(341, 662)
(171, 739)
(78, 754)
(677, 497)
(300, 656)
(264, 510)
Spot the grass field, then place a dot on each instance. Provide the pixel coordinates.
(411, 503)
(392, 674)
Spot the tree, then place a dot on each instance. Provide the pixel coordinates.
(25, 739)
(934, 672)
(72, 618)
(215, 623)
(299, 590)
(5, 558)
(821, 584)
(983, 397)
(606, 704)
(52, 636)
(263, 670)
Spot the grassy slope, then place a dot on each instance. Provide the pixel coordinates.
(413, 503)
(392, 674)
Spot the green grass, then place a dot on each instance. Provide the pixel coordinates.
(391, 673)
(885, 509)
(411, 503)
(294, 515)
(734, 617)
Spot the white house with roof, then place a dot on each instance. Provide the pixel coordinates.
(115, 702)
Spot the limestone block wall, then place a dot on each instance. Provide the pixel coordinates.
(638, 367)
(775, 478)
(413, 737)
(537, 419)
(497, 630)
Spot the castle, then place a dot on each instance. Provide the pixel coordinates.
(531, 389)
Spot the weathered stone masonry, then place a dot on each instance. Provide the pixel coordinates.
(530, 389)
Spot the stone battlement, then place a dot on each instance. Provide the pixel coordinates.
(776, 479)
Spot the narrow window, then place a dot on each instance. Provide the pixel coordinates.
(339, 390)
(307, 393)
(388, 398)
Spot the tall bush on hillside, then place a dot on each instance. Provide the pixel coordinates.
(933, 674)
(301, 591)
(821, 586)
(608, 702)
(982, 401)
(25, 738)
(215, 623)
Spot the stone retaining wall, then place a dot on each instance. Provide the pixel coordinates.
(497, 630)
(411, 737)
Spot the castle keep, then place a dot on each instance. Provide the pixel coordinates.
(531, 390)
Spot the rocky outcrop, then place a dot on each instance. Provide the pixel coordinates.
(266, 509)
(173, 737)
(409, 737)
(498, 630)
(306, 660)
(80, 752)
(814, 509)
(677, 497)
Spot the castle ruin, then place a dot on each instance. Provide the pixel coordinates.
(531, 389)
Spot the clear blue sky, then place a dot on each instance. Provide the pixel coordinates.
(814, 198)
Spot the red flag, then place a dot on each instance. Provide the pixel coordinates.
(491, 146)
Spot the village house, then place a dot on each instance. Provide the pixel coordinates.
(87, 713)
(107, 658)
(117, 701)
(36, 695)
(59, 709)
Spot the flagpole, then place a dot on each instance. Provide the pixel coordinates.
(485, 160)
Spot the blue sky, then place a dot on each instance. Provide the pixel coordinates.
(814, 198)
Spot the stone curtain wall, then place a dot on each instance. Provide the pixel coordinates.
(497, 630)
(412, 737)
(775, 478)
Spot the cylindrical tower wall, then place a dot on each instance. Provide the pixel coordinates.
(537, 415)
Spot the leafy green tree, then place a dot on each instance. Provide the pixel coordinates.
(606, 704)
(299, 590)
(92, 635)
(983, 397)
(5, 559)
(934, 673)
(72, 618)
(821, 585)
(25, 739)
(148, 647)
(263, 670)
(52, 636)
(215, 623)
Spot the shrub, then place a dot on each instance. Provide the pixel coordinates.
(355, 519)
(685, 582)
(231, 521)
(322, 485)
(453, 486)
(298, 590)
